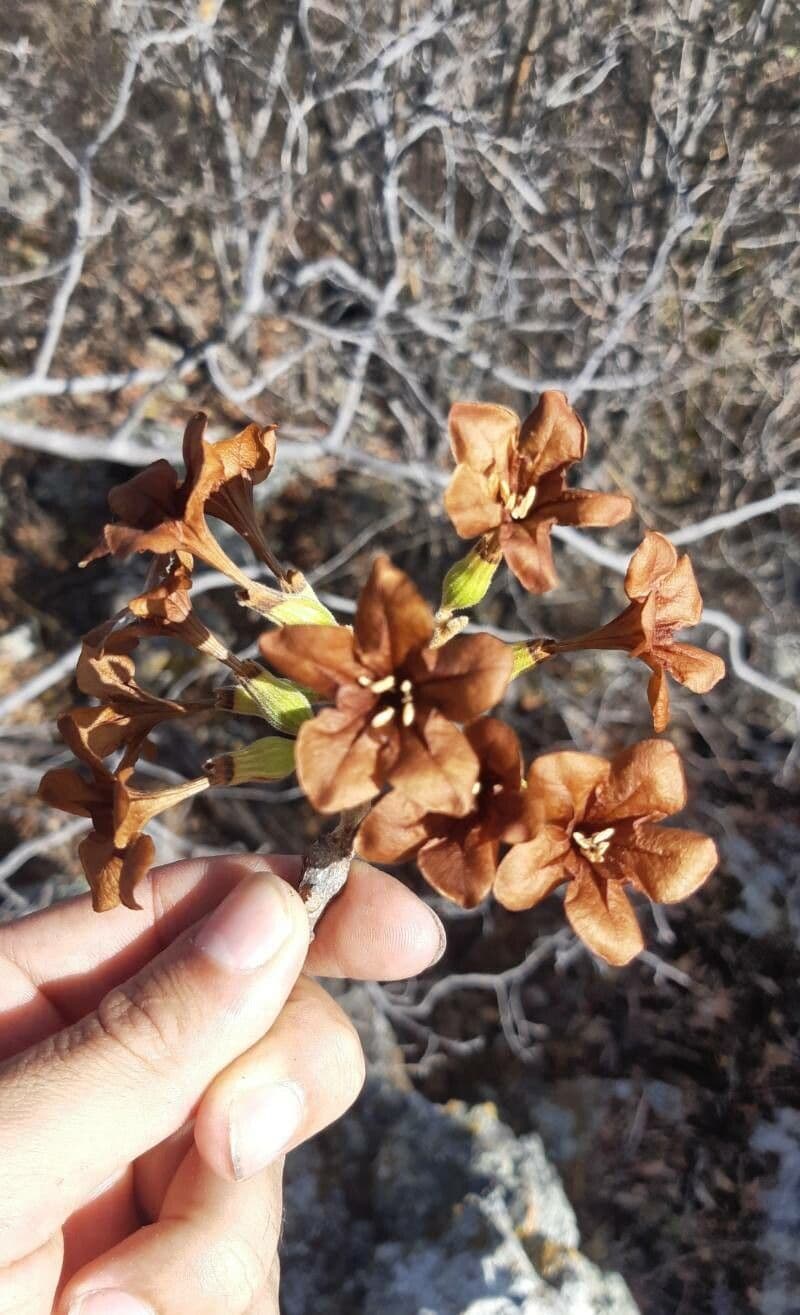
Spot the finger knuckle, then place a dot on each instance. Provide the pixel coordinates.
(236, 1271)
(146, 1021)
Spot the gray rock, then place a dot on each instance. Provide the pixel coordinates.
(408, 1208)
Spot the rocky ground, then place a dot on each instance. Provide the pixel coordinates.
(412, 1208)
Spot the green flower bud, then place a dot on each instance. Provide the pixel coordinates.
(467, 582)
(280, 702)
(269, 759)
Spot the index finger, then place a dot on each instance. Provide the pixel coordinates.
(377, 929)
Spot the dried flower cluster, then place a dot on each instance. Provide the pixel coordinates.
(387, 720)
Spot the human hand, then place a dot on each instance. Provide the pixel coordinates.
(156, 1066)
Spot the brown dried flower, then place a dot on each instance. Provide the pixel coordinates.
(127, 712)
(157, 512)
(396, 700)
(510, 482)
(115, 854)
(456, 855)
(165, 608)
(593, 823)
(664, 598)
(112, 870)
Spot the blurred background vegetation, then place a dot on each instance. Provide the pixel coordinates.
(342, 217)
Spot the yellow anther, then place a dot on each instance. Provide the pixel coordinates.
(476, 789)
(365, 682)
(407, 715)
(406, 688)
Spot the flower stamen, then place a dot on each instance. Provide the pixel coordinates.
(407, 695)
(594, 847)
(382, 686)
(517, 504)
(382, 718)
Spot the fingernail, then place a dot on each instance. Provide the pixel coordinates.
(109, 1302)
(249, 926)
(441, 933)
(261, 1124)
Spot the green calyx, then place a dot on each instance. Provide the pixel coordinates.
(278, 701)
(301, 610)
(268, 759)
(468, 580)
(527, 655)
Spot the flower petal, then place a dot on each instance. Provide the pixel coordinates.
(392, 619)
(679, 601)
(482, 435)
(101, 731)
(669, 864)
(320, 657)
(341, 762)
(560, 785)
(658, 697)
(529, 553)
(582, 507)
(113, 873)
(693, 667)
(552, 437)
(466, 677)
(601, 914)
(653, 560)
(66, 789)
(498, 751)
(462, 874)
(393, 830)
(645, 780)
(470, 503)
(138, 858)
(531, 871)
(102, 866)
(436, 766)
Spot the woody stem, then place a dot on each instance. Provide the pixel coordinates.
(326, 864)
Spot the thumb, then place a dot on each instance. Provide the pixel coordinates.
(88, 1100)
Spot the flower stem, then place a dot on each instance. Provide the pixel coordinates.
(326, 864)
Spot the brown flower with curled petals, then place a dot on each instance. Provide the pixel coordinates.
(166, 609)
(395, 700)
(664, 598)
(112, 870)
(510, 482)
(156, 512)
(127, 712)
(593, 823)
(456, 855)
